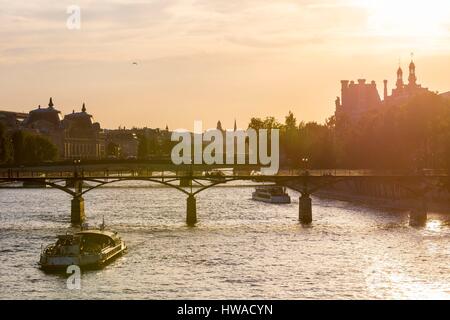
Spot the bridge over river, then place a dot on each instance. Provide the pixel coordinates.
(77, 179)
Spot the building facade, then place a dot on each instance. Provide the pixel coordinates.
(83, 138)
(122, 143)
(47, 122)
(76, 135)
(360, 98)
(12, 120)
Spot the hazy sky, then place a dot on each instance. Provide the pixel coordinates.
(212, 59)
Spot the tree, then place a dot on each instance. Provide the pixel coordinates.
(39, 149)
(5, 145)
(18, 147)
(290, 122)
(255, 123)
(143, 147)
(290, 140)
(271, 123)
(29, 148)
(112, 149)
(267, 123)
(407, 136)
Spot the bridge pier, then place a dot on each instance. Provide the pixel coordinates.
(191, 212)
(418, 214)
(77, 210)
(305, 209)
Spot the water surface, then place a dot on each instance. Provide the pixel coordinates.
(240, 249)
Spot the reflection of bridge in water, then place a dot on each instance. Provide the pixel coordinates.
(191, 180)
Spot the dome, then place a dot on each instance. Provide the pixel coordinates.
(49, 114)
(80, 120)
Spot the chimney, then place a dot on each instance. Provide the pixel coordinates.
(344, 84)
(344, 87)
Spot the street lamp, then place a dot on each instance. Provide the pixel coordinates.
(75, 163)
(304, 164)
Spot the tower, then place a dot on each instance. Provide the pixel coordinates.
(83, 109)
(399, 82)
(412, 79)
(50, 103)
(385, 89)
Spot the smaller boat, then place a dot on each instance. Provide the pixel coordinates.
(271, 194)
(88, 249)
(215, 175)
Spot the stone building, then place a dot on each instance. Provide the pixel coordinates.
(46, 121)
(360, 98)
(124, 143)
(83, 138)
(403, 92)
(76, 135)
(357, 99)
(12, 120)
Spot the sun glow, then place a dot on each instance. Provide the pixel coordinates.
(409, 18)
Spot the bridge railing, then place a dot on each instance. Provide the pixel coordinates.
(87, 172)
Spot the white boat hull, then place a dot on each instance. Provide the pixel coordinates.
(82, 260)
(272, 199)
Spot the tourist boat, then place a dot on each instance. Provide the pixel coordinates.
(88, 248)
(271, 194)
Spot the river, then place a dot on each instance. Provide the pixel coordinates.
(240, 249)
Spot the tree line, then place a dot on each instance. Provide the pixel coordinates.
(22, 147)
(409, 136)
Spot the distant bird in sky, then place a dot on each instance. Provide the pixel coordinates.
(135, 63)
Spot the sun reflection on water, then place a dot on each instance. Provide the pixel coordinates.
(434, 225)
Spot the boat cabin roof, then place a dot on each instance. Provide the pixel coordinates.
(109, 234)
(270, 187)
(65, 236)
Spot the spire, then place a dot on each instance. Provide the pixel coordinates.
(235, 125)
(83, 109)
(50, 103)
(412, 71)
(399, 78)
(219, 125)
(167, 127)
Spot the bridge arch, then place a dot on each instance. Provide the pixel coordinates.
(102, 183)
(214, 182)
(48, 183)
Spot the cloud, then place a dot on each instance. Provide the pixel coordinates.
(127, 29)
(173, 23)
(277, 42)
